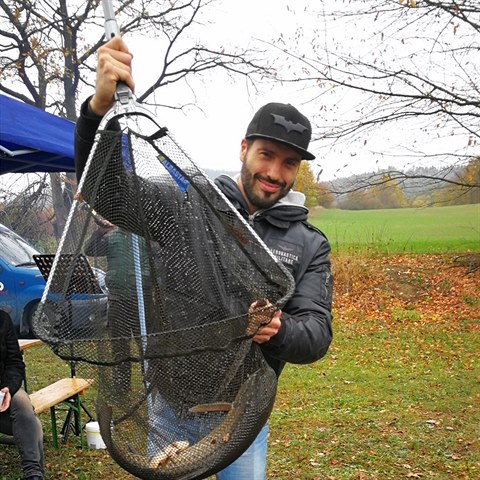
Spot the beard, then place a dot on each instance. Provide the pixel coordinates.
(255, 195)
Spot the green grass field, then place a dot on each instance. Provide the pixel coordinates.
(396, 397)
(405, 230)
(388, 404)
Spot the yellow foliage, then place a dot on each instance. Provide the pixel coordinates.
(306, 184)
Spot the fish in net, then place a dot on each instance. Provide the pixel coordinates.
(156, 290)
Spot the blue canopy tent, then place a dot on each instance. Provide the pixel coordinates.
(32, 140)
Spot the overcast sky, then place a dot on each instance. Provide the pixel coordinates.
(212, 137)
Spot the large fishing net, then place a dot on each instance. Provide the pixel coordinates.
(156, 290)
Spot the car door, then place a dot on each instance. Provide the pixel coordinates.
(8, 297)
(21, 283)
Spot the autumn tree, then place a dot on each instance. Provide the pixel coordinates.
(356, 200)
(325, 195)
(395, 80)
(305, 183)
(463, 192)
(23, 206)
(47, 53)
(384, 193)
(389, 193)
(471, 175)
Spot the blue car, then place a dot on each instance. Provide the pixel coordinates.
(22, 286)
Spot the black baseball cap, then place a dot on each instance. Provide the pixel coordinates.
(283, 123)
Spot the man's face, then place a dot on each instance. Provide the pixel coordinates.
(268, 172)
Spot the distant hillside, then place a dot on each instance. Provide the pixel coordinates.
(414, 182)
(213, 174)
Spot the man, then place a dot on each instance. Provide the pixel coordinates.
(275, 143)
(17, 417)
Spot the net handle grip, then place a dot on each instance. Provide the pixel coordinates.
(123, 93)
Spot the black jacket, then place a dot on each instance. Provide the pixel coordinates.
(12, 368)
(306, 331)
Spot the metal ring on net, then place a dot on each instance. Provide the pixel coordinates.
(174, 329)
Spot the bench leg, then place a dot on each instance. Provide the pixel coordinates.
(78, 419)
(74, 410)
(73, 420)
(53, 419)
(89, 415)
(67, 423)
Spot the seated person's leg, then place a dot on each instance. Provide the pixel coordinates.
(27, 434)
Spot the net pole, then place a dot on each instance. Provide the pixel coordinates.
(137, 268)
(143, 337)
(123, 95)
(139, 287)
(112, 30)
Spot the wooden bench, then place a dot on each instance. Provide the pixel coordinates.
(64, 391)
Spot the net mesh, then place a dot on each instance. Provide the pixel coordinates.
(152, 291)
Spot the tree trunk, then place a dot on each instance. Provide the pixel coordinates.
(59, 206)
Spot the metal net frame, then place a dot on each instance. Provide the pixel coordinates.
(156, 290)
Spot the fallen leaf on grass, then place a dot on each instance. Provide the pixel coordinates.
(454, 456)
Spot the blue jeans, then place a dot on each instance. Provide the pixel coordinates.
(166, 428)
(252, 464)
(20, 421)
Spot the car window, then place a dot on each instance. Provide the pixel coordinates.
(15, 250)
